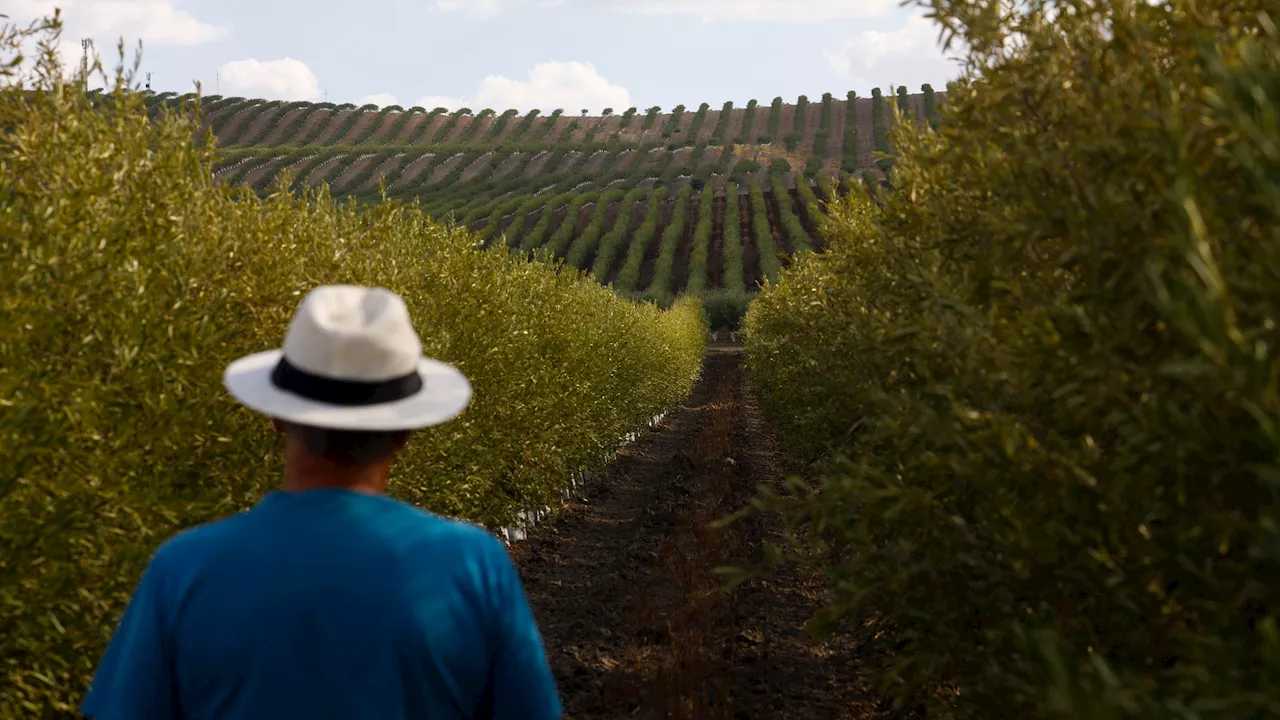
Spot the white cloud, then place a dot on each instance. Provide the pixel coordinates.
(380, 99)
(551, 85)
(760, 10)
(106, 21)
(570, 86)
(475, 9)
(705, 10)
(910, 55)
(286, 79)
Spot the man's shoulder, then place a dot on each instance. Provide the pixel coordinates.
(455, 531)
(200, 539)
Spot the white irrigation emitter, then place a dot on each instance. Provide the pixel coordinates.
(531, 517)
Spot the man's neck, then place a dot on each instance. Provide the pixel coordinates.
(302, 473)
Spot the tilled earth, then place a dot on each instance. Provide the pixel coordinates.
(635, 623)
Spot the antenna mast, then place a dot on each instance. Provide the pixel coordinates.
(85, 44)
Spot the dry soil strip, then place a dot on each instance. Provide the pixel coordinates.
(621, 582)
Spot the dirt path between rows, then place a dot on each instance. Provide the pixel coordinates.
(635, 623)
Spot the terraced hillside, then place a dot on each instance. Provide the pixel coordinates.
(653, 203)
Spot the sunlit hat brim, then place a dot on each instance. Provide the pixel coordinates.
(445, 393)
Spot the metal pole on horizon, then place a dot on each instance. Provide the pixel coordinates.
(85, 44)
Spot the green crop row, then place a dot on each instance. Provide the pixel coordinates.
(131, 282)
(766, 248)
(1042, 450)
(598, 255)
(697, 276)
(664, 266)
(637, 246)
(791, 225)
(732, 263)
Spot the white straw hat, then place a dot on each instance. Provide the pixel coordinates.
(351, 361)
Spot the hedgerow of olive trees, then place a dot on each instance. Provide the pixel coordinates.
(1044, 435)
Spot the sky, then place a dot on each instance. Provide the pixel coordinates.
(522, 54)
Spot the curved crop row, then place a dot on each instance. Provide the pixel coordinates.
(606, 249)
(584, 245)
(664, 266)
(638, 244)
(791, 225)
(698, 257)
(733, 280)
(766, 248)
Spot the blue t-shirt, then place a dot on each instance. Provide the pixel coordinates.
(327, 604)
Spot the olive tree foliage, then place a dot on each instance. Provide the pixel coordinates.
(131, 280)
(1036, 381)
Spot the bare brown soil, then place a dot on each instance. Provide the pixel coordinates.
(638, 212)
(584, 126)
(866, 138)
(322, 170)
(535, 166)
(344, 178)
(486, 125)
(411, 129)
(508, 165)
(632, 133)
(363, 126)
(635, 623)
(275, 136)
(608, 127)
(231, 130)
(810, 223)
(780, 239)
(478, 167)
(750, 251)
(611, 214)
(708, 128)
(215, 117)
(557, 219)
(684, 251)
(786, 123)
(444, 168)
(596, 161)
(584, 218)
(710, 156)
(734, 128)
(715, 247)
(567, 162)
(255, 127)
(623, 160)
(530, 220)
(388, 171)
(682, 128)
(333, 123)
(253, 177)
(835, 136)
(665, 213)
(437, 124)
(558, 130)
(316, 119)
(459, 128)
(413, 170)
(505, 235)
(383, 132)
(759, 124)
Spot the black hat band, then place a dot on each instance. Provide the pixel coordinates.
(350, 393)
